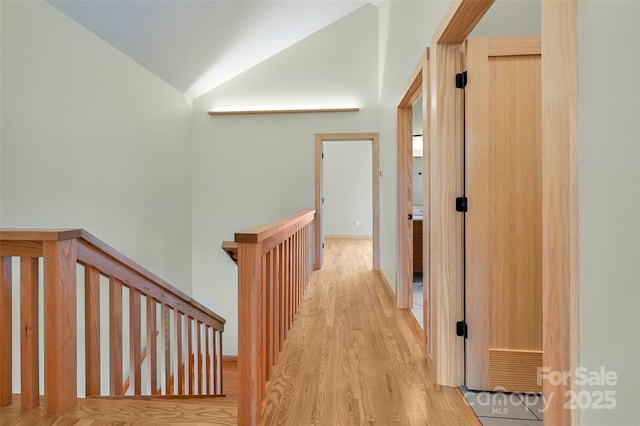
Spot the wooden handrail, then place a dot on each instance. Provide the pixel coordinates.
(33, 237)
(274, 268)
(260, 233)
(62, 250)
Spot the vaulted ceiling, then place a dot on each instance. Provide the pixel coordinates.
(196, 45)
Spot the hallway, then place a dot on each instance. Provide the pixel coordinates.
(353, 358)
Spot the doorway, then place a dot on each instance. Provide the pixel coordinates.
(373, 138)
(346, 192)
(413, 283)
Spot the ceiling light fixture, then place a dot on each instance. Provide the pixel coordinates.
(297, 110)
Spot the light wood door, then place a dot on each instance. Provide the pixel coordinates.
(503, 276)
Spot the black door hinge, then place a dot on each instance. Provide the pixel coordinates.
(323, 155)
(461, 204)
(322, 200)
(322, 245)
(461, 80)
(462, 330)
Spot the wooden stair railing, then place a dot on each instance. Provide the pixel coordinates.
(274, 268)
(190, 335)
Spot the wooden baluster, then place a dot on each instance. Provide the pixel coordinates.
(249, 356)
(166, 341)
(307, 255)
(214, 354)
(209, 378)
(303, 269)
(152, 345)
(115, 336)
(60, 333)
(263, 320)
(179, 352)
(294, 276)
(297, 264)
(269, 322)
(200, 364)
(276, 305)
(290, 272)
(300, 264)
(190, 358)
(135, 349)
(287, 288)
(92, 329)
(283, 297)
(5, 331)
(220, 367)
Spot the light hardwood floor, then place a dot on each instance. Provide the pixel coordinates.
(353, 358)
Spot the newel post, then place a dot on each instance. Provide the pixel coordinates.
(249, 356)
(60, 326)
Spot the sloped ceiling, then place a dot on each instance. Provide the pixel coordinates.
(196, 45)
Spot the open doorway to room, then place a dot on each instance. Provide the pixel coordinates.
(347, 193)
(413, 282)
(417, 214)
(347, 224)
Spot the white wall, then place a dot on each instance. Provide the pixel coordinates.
(91, 139)
(348, 206)
(406, 29)
(509, 18)
(609, 185)
(250, 170)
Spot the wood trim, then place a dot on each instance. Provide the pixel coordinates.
(283, 111)
(416, 87)
(560, 247)
(29, 333)
(229, 358)
(446, 248)
(427, 291)
(27, 234)
(459, 20)
(514, 46)
(404, 207)
(260, 233)
(21, 248)
(375, 176)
